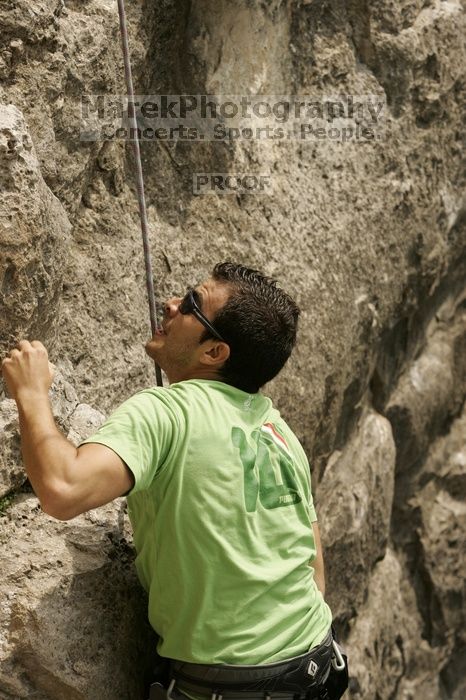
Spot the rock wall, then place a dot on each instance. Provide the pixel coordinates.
(369, 237)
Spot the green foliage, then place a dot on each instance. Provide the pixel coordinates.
(5, 502)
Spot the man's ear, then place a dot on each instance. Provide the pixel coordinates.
(215, 355)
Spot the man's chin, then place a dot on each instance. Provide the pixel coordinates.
(152, 349)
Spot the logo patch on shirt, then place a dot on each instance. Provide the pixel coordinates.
(247, 403)
(269, 429)
(269, 470)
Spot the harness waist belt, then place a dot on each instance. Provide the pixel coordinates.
(299, 674)
(246, 694)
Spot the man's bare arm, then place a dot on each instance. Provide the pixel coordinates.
(67, 480)
(318, 562)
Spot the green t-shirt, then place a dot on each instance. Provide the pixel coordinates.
(221, 511)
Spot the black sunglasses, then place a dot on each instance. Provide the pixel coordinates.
(189, 305)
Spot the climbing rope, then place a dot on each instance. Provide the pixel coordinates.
(139, 178)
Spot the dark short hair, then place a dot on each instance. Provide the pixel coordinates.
(259, 323)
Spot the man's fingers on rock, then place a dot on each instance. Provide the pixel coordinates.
(15, 353)
(38, 345)
(24, 344)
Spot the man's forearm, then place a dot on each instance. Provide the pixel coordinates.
(47, 454)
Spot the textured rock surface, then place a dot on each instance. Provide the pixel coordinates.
(33, 231)
(369, 237)
(354, 506)
(11, 471)
(75, 419)
(389, 646)
(70, 603)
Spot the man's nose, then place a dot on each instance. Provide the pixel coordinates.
(171, 306)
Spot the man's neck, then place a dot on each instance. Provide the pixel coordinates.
(197, 374)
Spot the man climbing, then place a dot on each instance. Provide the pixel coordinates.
(218, 491)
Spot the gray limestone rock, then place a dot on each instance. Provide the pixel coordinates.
(84, 421)
(389, 658)
(11, 471)
(354, 504)
(70, 605)
(432, 387)
(76, 420)
(34, 230)
(439, 509)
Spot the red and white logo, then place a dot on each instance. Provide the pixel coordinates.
(280, 441)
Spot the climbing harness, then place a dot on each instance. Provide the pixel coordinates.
(139, 177)
(319, 674)
(338, 661)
